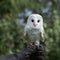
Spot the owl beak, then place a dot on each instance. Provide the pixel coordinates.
(34, 25)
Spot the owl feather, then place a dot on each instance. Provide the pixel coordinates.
(34, 31)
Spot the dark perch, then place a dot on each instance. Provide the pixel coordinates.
(30, 53)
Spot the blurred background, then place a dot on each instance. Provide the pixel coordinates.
(13, 17)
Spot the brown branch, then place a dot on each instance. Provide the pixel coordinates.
(30, 53)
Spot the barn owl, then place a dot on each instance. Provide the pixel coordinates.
(34, 31)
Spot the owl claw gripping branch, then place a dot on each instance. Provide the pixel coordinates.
(34, 31)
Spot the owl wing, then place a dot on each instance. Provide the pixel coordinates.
(42, 35)
(25, 33)
(26, 37)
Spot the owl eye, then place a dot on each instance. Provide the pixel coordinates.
(38, 21)
(32, 20)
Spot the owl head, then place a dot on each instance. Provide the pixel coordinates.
(35, 21)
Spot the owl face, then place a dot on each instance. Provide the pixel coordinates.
(35, 21)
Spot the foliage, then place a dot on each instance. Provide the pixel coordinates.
(11, 34)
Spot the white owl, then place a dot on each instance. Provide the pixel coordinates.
(34, 31)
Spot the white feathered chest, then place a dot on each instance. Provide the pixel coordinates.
(34, 34)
